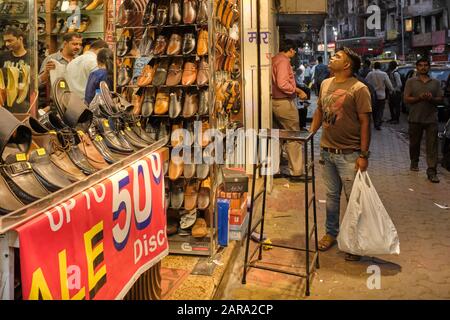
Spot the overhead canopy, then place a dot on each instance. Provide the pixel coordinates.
(296, 23)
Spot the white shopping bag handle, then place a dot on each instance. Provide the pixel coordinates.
(364, 176)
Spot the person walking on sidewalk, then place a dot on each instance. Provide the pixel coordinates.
(379, 80)
(321, 73)
(343, 109)
(395, 98)
(423, 94)
(284, 91)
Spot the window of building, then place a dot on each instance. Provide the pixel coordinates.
(428, 24)
(417, 25)
(439, 22)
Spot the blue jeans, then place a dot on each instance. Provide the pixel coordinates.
(339, 171)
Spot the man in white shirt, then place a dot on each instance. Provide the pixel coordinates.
(379, 80)
(78, 70)
(395, 98)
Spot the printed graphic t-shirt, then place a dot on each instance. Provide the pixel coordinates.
(8, 60)
(340, 104)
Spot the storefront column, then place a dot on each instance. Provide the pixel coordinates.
(249, 66)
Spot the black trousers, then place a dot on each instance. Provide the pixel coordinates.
(395, 100)
(431, 138)
(378, 112)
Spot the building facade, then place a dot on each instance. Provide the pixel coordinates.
(425, 27)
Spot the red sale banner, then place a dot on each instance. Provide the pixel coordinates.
(97, 244)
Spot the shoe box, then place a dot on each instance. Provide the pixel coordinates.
(238, 232)
(235, 180)
(232, 210)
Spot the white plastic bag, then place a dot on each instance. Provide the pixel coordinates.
(367, 228)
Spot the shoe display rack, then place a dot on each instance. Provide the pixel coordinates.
(57, 17)
(163, 59)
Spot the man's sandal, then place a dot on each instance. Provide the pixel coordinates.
(326, 242)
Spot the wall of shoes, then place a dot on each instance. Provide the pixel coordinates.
(17, 85)
(226, 33)
(163, 64)
(57, 17)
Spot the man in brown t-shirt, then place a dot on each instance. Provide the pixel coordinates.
(343, 109)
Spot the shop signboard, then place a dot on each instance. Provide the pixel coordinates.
(97, 244)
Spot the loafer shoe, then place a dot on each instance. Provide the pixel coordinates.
(188, 43)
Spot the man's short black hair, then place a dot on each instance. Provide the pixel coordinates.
(367, 63)
(70, 35)
(423, 59)
(355, 60)
(319, 59)
(377, 65)
(393, 65)
(287, 45)
(99, 44)
(15, 32)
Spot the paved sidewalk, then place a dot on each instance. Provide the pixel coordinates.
(421, 271)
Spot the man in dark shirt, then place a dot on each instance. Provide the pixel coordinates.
(423, 94)
(15, 64)
(321, 73)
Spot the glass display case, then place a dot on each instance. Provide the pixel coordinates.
(18, 56)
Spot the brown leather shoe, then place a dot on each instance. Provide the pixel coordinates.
(189, 74)
(175, 16)
(191, 195)
(206, 135)
(203, 107)
(146, 77)
(176, 167)
(136, 101)
(176, 137)
(93, 156)
(204, 194)
(202, 14)
(203, 72)
(200, 229)
(175, 72)
(190, 105)
(189, 11)
(202, 43)
(162, 103)
(174, 46)
(161, 45)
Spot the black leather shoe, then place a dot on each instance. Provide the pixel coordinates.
(162, 14)
(124, 76)
(352, 257)
(433, 178)
(112, 141)
(149, 13)
(188, 43)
